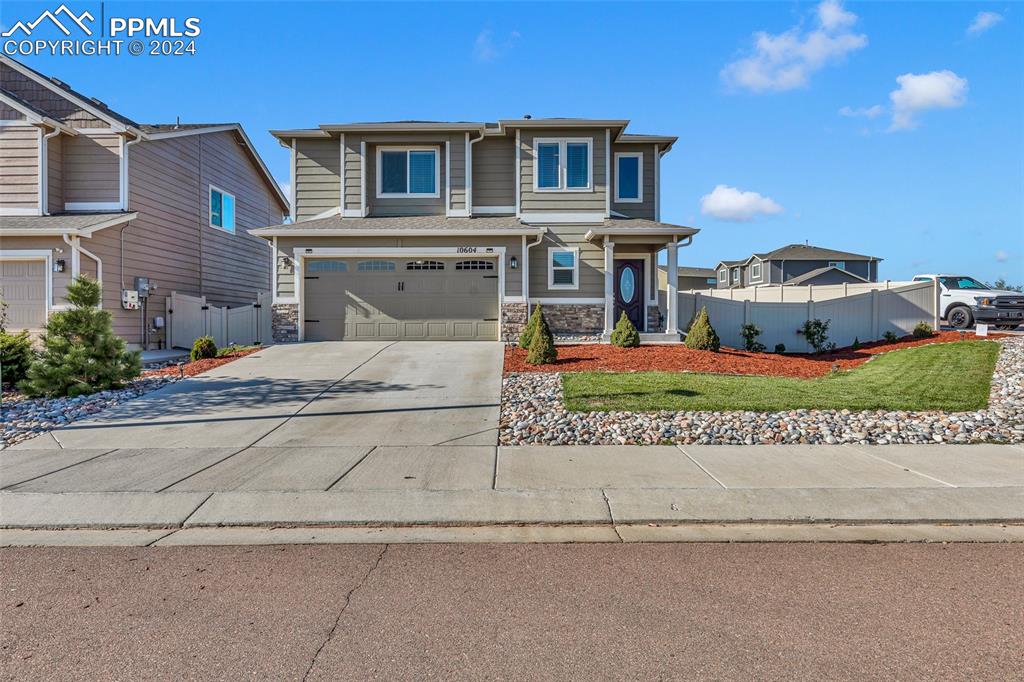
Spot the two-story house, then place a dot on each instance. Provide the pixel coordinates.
(444, 230)
(797, 265)
(84, 189)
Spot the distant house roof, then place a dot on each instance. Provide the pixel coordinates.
(64, 223)
(171, 127)
(683, 271)
(811, 252)
(809, 277)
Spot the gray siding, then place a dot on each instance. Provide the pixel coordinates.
(644, 209)
(55, 174)
(353, 165)
(494, 172)
(588, 201)
(591, 274)
(317, 177)
(19, 167)
(457, 150)
(60, 279)
(794, 268)
(411, 205)
(92, 169)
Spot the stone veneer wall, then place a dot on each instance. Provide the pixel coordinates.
(575, 318)
(655, 323)
(285, 322)
(513, 319)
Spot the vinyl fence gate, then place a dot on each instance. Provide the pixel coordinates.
(190, 317)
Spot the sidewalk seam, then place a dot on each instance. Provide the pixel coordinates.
(29, 480)
(337, 620)
(905, 468)
(349, 470)
(611, 516)
(193, 512)
(701, 467)
(199, 471)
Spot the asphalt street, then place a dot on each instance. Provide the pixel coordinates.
(650, 611)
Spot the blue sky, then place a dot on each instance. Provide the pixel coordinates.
(802, 134)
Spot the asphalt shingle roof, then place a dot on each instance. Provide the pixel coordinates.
(64, 221)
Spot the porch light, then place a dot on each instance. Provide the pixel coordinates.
(58, 265)
(513, 263)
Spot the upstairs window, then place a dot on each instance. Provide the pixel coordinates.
(629, 177)
(735, 275)
(407, 172)
(563, 268)
(222, 209)
(562, 165)
(755, 272)
(723, 276)
(841, 264)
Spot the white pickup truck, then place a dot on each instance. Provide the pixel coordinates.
(964, 301)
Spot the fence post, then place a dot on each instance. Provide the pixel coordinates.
(936, 303)
(170, 320)
(782, 293)
(746, 311)
(755, 294)
(874, 314)
(887, 285)
(846, 289)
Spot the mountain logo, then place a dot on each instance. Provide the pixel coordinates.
(28, 27)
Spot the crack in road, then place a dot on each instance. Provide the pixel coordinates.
(337, 620)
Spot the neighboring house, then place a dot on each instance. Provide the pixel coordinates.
(797, 264)
(84, 189)
(431, 230)
(689, 278)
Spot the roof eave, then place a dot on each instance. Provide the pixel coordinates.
(681, 231)
(266, 232)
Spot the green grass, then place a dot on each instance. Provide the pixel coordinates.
(948, 376)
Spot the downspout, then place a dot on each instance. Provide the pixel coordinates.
(44, 173)
(125, 206)
(469, 174)
(76, 246)
(526, 269)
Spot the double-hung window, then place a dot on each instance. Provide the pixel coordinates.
(563, 268)
(723, 275)
(562, 164)
(755, 272)
(222, 209)
(629, 177)
(407, 172)
(735, 275)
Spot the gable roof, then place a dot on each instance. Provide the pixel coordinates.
(811, 252)
(813, 274)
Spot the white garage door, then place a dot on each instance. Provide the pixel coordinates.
(401, 298)
(23, 287)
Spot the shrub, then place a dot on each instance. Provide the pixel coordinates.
(702, 335)
(750, 332)
(780, 348)
(922, 330)
(80, 354)
(203, 348)
(816, 333)
(234, 348)
(856, 344)
(625, 334)
(542, 344)
(526, 336)
(890, 336)
(16, 356)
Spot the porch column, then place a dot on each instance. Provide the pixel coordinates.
(672, 293)
(609, 286)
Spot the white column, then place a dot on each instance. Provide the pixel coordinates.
(609, 286)
(672, 293)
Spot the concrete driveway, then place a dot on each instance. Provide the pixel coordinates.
(313, 394)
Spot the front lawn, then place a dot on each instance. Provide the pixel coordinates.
(953, 377)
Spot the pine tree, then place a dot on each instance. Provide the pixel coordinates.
(542, 345)
(702, 335)
(625, 334)
(526, 336)
(81, 354)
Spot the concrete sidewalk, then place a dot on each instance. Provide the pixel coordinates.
(476, 486)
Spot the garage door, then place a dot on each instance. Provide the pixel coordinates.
(23, 287)
(401, 298)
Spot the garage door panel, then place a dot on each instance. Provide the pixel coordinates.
(23, 287)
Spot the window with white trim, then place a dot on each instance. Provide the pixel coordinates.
(562, 164)
(474, 265)
(404, 172)
(755, 272)
(723, 275)
(424, 265)
(629, 177)
(375, 266)
(563, 267)
(222, 209)
(735, 275)
(841, 264)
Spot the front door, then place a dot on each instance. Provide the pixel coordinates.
(629, 291)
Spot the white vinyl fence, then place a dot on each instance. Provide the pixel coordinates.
(795, 294)
(190, 317)
(865, 316)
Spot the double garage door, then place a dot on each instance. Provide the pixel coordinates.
(23, 288)
(400, 298)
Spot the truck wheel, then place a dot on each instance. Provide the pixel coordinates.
(960, 317)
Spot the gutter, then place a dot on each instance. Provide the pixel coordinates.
(44, 172)
(526, 269)
(469, 174)
(377, 232)
(75, 246)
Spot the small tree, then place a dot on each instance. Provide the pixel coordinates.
(526, 336)
(203, 348)
(542, 343)
(16, 353)
(702, 335)
(816, 333)
(750, 332)
(923, 330)
(81, 354)
(625, 334)
(856, 344)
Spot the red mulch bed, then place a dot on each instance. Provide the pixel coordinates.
(199, 366)
(679, 358)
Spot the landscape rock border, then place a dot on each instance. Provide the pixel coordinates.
(533, 413)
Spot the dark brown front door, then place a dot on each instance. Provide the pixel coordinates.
(629, 291)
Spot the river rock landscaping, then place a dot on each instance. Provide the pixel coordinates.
(533, 413)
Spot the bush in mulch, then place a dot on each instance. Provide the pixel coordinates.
(702, 335)
(542, 344)
(625, 334)
(526, 336)
(195, 367)
(922, 330)
(203, 348)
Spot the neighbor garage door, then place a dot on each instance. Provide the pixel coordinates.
(401, 298)
(23, 287)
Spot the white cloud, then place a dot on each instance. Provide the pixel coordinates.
(786, 61)
(732, 204)
(983, 22)
(486, 49)
(919, 92)
(1002, 256)
(863, 112)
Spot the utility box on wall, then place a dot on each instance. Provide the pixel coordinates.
(129, 299)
